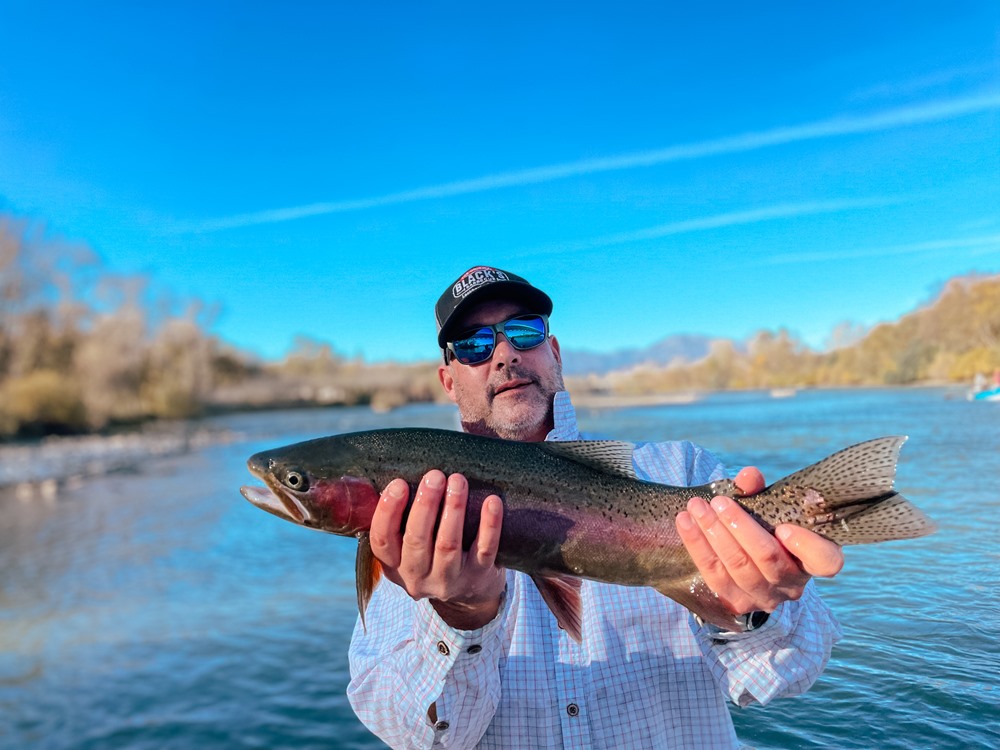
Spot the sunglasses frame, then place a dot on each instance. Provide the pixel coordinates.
(497, 329)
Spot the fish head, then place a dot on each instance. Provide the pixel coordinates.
(328, 494)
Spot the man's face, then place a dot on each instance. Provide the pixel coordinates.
(509, 396)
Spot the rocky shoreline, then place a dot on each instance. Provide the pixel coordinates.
(40, 470)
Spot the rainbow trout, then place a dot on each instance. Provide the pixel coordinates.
(574, 510)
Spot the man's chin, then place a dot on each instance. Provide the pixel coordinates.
(525, 398)
(520, 419)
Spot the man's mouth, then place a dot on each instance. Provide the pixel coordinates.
(513, 385)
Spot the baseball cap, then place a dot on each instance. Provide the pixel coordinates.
(481, 284)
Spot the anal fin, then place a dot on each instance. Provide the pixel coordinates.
(368, 572)
(562, 595)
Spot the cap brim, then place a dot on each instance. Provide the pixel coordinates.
(535, 300)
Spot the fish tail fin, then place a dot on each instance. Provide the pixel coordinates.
(849, 497)
(893, 518)
(368, 572)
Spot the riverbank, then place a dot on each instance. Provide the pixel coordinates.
(42, 469)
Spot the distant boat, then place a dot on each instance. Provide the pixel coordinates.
(783, 392)
(992, 394)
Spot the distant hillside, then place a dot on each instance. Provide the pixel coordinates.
(952, 338)
(670, 350)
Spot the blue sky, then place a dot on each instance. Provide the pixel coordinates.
(327, 169)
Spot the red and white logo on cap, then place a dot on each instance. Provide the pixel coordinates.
(475, 278)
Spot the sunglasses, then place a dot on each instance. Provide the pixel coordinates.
(477, 344)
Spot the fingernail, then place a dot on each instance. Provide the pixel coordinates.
(684, 522)
(395, 491)
(699, 508)
(783, 533)
(721, 504)
(455, 484)
(435, 481)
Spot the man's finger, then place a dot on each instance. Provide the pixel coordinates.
(749, 481)
(775, 575)
(448, 544)
(418, 539)
(487, 540)
(690, 526)
(817, 555)
(384, 535)
(772, 564)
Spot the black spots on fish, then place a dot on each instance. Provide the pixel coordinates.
(725, 488)
(856, 473)
(806, 505)
(892, 518)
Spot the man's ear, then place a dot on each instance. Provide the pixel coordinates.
(447, 379)
(554, 343)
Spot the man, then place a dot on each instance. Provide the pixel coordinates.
(459, 653)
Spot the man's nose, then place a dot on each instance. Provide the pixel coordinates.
(504, 353)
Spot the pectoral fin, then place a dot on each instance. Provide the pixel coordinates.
(562, 595)
(368, 572)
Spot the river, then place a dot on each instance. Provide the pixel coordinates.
(153, 607)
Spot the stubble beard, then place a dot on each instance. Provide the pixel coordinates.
(481, 414)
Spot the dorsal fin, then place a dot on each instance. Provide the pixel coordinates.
(562, 595)
(609, 456)
(368, 572)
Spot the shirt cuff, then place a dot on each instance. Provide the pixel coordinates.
(779, 624)
(782, 657)
(439, 637)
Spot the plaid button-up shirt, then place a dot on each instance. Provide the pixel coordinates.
(645, 676)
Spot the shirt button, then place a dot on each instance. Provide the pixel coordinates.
(443, 648)
(475, 649)
(441, 726)
(572, 709)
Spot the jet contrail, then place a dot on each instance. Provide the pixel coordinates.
(717, 221)
(837, 126)
(977, 245)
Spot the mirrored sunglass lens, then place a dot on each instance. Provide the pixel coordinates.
(474, 348)
(525, 333)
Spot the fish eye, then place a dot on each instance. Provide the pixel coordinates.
(296, 481)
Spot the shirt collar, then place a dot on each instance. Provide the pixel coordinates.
(563, 419)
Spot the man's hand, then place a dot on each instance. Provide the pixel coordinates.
(464, 587)
(746, 566)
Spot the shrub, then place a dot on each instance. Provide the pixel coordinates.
(39, 402)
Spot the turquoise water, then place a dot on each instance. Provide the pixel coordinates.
(158, 609)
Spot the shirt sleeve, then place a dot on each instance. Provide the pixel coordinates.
(409, 659)
(781, 658)
(788, 653)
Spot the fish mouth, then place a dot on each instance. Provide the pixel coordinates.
(280, 504)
